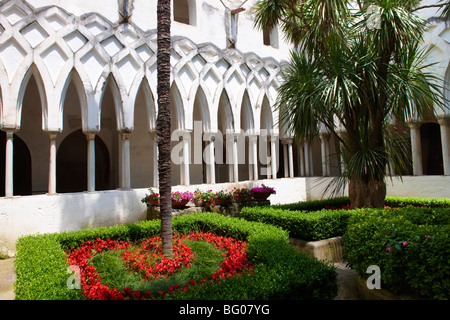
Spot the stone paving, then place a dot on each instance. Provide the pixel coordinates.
(7, 278)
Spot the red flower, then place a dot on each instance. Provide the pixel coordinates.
(146, 258)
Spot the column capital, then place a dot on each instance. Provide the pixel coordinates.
(414, 125)
(53, 134)
(10, 131)
(323, 135)
(443, 120)
(286, 140)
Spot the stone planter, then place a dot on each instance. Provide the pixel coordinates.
(199, 202)
(240, 199)
(261, 196)
(179, 204)
(221, 201)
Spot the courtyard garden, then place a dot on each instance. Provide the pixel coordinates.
(245, 258)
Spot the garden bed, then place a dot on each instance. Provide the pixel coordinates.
(408, 240)
(278, 270)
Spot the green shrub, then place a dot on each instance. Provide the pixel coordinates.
(314, 205)
(280, 271)
(410, 245)
(312, 226)
(394, 202)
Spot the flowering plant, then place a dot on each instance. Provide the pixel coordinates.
(146, 259)
(263, 188)
(243, 193)
(206, 197)
(179, 196)
(223, 195)
(150, 199)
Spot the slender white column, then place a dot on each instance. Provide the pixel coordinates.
(52, 164)
(445, 140)
(307, 159)
(212, 162)
(290, 158)
(235, 159)
(90, 161)
(9, 163)
(229, 140)
(416, 148)
(324, 144)
(285, 156)
(125, 144)
(155, 159)
(301, 157)
(253, 140)
(186, 161)
(273, 156)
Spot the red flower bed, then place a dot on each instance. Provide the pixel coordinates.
(146, 258)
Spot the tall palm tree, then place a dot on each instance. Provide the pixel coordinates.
(357, 71)
(163, 123)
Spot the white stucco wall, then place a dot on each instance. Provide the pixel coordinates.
(26, 215)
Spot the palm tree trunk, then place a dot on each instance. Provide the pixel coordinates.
(163, 124)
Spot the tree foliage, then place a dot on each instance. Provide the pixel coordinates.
(357, 71)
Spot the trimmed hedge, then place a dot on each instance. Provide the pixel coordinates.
(410, 245)
(311, 226)
(316, 205)
(280, 271)
(308, 221)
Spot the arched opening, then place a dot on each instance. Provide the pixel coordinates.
(198, 168)
(176, 123)
(31, 131)
(110, 136)
(224, 170)
(22, 180)
(247, 124)
(71, 164)
(430, 136)
(141, 142)
(265, 152)
(270, 37)
(184, 11)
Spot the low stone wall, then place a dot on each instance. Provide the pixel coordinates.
(328, 249)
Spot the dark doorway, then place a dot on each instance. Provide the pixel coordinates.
(71, 164)
(430, 135)
(21, 166)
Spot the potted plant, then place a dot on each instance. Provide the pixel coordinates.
(241, 195)
(180, 199)
(151, 199)
(203, 199)
(262, 192)
(222, 198)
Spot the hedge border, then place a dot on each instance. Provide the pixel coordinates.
(307, 221)
(410, 246)
(280, 271)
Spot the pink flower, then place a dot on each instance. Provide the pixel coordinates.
(388, 249)
(405, 243)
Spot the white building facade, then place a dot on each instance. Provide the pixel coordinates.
(78, 112)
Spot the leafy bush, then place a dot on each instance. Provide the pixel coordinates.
(312, 226)
(280, 271)
(410, 245)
